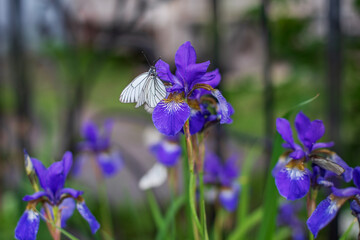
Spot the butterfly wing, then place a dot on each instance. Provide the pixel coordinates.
(134, 90)
(155, 92)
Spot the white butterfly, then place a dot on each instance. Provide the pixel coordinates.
(146, 88)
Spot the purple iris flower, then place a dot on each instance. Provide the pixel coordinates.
(190, 82)
(167, 151)
(53, 195)
(223, 175)
(287, 217)
(292, 179)
(326, 211)
(98, 145)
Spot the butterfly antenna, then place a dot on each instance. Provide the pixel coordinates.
(147, 60)
(156, 60)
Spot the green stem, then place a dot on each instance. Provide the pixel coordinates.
(192, 183)
(252, 219)
(105, 211)
(155, 210)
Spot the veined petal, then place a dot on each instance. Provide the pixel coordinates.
(67, 208)
(110, 163)
(35, 196)
(167, 153)
(316, 131)
(284, 159)
(169, 116)
(293, 181)
(284, 129)
(88, 216)
(324, 214)
(229, 197)
(225, 109)
(28, 226)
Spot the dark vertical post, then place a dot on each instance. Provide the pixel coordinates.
(334, 61)
(268, 89)
(19, 75)
(216, 62)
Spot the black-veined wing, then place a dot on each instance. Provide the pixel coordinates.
(134, 90)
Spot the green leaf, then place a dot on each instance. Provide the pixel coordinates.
(346, 233)
(169, 218)
(155, 210)
(251, 220)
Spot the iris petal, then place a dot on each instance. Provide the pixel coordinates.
(225, 109)
(28, 226)
(35, 196)
(229, 198)
(284, 129)
(41, 171)
(184, 56)
(90, 132)
(88, 216)
(163, 71)
(323, 214)
(293, 182)
(110, 163)
(167, 153)
(169, 117)
(67, 208)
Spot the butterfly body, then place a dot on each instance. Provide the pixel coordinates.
(146, 89)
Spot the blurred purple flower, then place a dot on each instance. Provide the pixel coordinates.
(287, 217)
(190, 82)
(167, 151)
(223, 175)
(52, 181)
(99, 146)
(291, 177)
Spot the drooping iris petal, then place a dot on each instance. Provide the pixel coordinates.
(229, 198)
(40, 171)
(67, 208)
(88, 216)
(167, 153)
(155, 177)
(169, 117)
(225, 109)
(28, 226)
(284, 129)
(35, 196)
(302, 124)
(323, 214)
(110, 163)
(197, 121)
(293, 181)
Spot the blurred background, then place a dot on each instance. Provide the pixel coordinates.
(63, 62)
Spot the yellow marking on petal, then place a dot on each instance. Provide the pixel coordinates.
(299, 164)
(175, 97)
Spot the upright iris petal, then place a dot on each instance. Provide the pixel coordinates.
(28, 226)
(170, 115)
